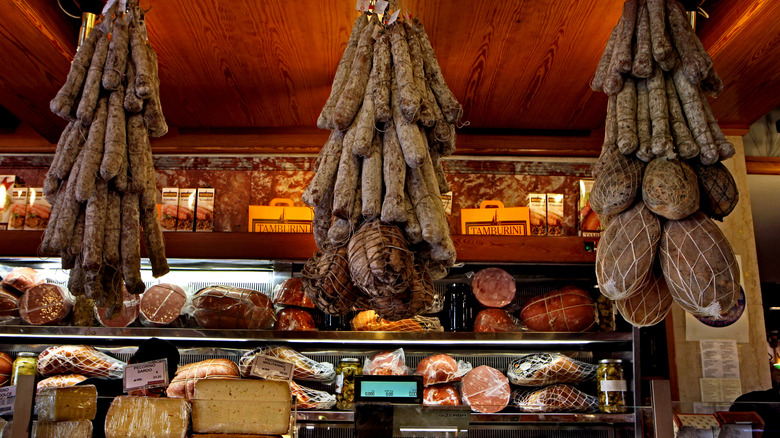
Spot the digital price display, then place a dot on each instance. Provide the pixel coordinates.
(391, 389)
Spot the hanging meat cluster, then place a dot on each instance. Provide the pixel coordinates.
(379, 221)
(101, 182)
(659, 182)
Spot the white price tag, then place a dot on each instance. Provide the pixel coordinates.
(380, 6)
(144, 375)
(614, 385)
(7, 399)
(393, 17)
(271, 368)
(363, 5)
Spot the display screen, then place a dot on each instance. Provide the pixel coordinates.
(399, 389)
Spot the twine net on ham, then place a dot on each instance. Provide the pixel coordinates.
(327, 283)
(380, 261)
(553, 313)
(368, 320)
(554, 398)
(718, 189)
(618, 181)
(307, 398)
(78, 359)
(650, 305)
(304, 367)
(60, 381)
(540, 369)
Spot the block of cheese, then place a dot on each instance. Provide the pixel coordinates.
(60, 429)
(245, 406)
(146, 417)
(67, 403)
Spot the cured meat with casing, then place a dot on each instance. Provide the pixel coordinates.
(162, 304)
(495, 320)
(670, 188)
(493, 287)
(569, 309)
(78, 359)
(183, 383)
(485, 389)
(441, 395)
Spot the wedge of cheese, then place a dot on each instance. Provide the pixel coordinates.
(147, 417)
(60, 429)
(66, 404)
(244, 406)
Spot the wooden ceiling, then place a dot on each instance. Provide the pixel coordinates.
(521, 68)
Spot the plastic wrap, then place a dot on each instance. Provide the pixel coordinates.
(569, 309)
(60, 381)
(290, 293)
(126, 316)
(495, 320)
(61, 429)
(386, 363)
(442, 368)
(485, 389)
(247, 406)
(304, 368)
(307, 398)
(368, 320)
(183, 383)
(9, 307)
(162, 304)
(22, 279)
(441, 395)
(225, 307)
(78, 359)
(294, 319)
(44, 304)
(541, 369)
(493, 287)
(143, 417)
(555, 398)
(66, 404)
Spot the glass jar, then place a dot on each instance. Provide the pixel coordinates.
(346, 370)
(457, 313)
(25, 364)
(612, 386)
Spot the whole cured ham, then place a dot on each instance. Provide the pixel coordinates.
(569, 309)
(307, 398)
(441, 395)
(539, 369)
(485, 389)
(555, 398)
(60, 381)
(304, 367)
(441, 368)
(78, 359)
(493, 287)
(183, 383)
(495, 320)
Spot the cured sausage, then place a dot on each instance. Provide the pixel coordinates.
(486, 390)
(161, 304)
(441, 395)
(44, 304)
(493, 287)
(495, 320)
(224, 307)
(569, 309)
(292, 319)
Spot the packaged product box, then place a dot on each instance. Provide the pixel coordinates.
(492, 218)
(18, 209)
(38, 210)
(204, 210)
(554, 214)
(588, 221)
(6, 186)
(186, 210)
(537, 204)
(280, 216)
(169, 209)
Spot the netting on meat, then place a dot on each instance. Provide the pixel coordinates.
(555, 398)
(651, 304)
(627, 251)
(368, 320)
(307, 398)
(187, 375)
(304, 368)
(719, 191)
(326, 281)
(541, 369)
(60, 381)
(618, 181)
(380, 262)
(78, 359)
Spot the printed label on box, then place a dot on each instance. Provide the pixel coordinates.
(281, 216)
(537, 205)
(204, 210)
(186, 211)
(38, 210)
(169, 210)
(492, 218)
(587, 220)
(18, 209)
(6, 187)
(554, 214)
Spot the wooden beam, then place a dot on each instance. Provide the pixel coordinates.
(762, 165)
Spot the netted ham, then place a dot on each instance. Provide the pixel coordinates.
(670, 188)
(60, 381)
(718, 190)
(555, 398)
(307, 398)
(78, 359)
(304, 367)
(441, 368)
(541, 369)
(699, 266)
(617, 183)
(368, 320)
(485, 389)
(183, 383)
(626, 252)
(569, 309)
(650, 304)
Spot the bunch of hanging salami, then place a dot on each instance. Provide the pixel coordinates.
(379, 221)
(101, 182)
(659, 183)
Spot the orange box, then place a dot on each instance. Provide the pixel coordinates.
(281, 216)
(492, 218)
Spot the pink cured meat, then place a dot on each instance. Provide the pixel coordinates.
(493, 287)
(486, 390)
(44, 304)
(441, 395)
(60, 381)
(161, 304)
(126, 316)
(78, 359)
(438, 368)
(22, 279)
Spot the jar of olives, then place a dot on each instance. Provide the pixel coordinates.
(25, 364)
(611, 386)
(346, 370)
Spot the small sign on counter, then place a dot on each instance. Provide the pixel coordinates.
(267, 367)
(144, 375)
(7, 400)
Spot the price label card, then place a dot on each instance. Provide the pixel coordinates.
(271, 368)
(7, 399)
(380, 6)
(145, 375)
(363, 5)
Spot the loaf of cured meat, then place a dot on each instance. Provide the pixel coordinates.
(162, 304)
(183, 383)
(225, 307)
(22, 279)
(44, 304)
(291, 294)
(539, 369)
(386, 363)
(60, 381)
(368, 320)
(441, 368)
(485, 389)
(78, 359)
(307, 398)
(554, 398)
(126, 316)
(569, 309)
(441, 395)
(495, 320)
(6, 363)
(493, 287)
(294, 319)
(304, 367)
(9, 306)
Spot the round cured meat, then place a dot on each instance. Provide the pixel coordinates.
(493, 287)
(569, 309)
(224, 307)
(60, 381)
(183, 383)
(9, 305)
(6, 363)
(387, 363)
(44, 304)
(293, 319)
(292, 294)
(22, 279)
(495, 320)
(126, 316)
(161, 304)
(486, 390)
(438, 368)
(441, 395)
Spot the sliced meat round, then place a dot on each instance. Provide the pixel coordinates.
(44, 304)
(161, 304)
(439, 368)
(486, 390)
(493, 287)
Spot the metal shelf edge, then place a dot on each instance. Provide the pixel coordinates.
(476, 418)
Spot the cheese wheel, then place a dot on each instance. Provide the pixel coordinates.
(294, 319)
(438, 368)
(161, 304)
(485, 389)
(493, 287)
(441, 395)
(44, 304)
(495, 320)
(142, 417)
(6, 363)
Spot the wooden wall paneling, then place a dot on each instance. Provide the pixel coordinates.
(763, 165)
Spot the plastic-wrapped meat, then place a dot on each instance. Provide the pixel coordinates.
(304, 367)
(126, 316)
(161, 304)
(386, 363)
(9, 306)
(291, 294)
(494, 287)
(485, 389)
(307, 398)
(44, 304)
(294, 319)
(22, 279)
(441, 395)
(495, 320)
(441, 368)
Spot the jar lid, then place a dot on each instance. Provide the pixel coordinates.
(26, 354)
(611, 361)
(349, 360)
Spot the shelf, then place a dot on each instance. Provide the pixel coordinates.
(477, 418)
(299, 247)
